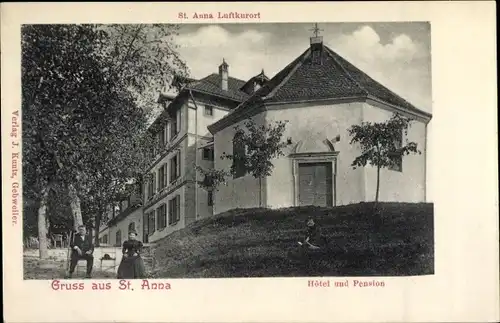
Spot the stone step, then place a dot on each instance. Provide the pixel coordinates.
(149, 263)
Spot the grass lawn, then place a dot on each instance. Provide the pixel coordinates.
(396, 241)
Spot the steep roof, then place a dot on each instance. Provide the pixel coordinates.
(331, 78)
(259, 77)
(211, 84)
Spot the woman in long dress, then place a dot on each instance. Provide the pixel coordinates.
(132, 265)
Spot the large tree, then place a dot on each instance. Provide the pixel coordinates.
(258, 146)
(82, 104)
(382, 144)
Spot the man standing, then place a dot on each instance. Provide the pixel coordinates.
(81, 248)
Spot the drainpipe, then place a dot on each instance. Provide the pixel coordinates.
(425, 164)
(195, 156)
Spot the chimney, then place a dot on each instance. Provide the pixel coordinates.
(259, 81)
(316, 45)
(316, 41)
(317, 49)
(224, 74)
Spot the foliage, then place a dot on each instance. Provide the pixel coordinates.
(30, 226)
(145, 56)
(381, 143)
(225, 244)
(262, 144)
(377, 141)
(212, 178)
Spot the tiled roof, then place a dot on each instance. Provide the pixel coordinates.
(212, 85)
(334, 77)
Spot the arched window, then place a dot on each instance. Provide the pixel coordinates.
(396, 156)
(131, 227)
(238, 156)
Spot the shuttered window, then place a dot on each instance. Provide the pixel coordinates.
(161, 177)
(239, 148)
(174, 210)
(396, 156)
(145, 227)
(118, 238)
(131, 227)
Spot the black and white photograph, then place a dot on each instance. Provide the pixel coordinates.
(226, 150)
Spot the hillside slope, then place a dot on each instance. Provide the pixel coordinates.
(397, 240)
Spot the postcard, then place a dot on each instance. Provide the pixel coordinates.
(250, 162)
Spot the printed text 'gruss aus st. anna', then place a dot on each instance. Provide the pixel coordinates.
(122, 284)
(145, 284)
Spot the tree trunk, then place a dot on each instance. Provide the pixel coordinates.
(68, 238)
(42, 224)
(97, 225)
(260, 191)
(76, 210)
(372, 234)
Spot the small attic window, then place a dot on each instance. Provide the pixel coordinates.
(209, 111)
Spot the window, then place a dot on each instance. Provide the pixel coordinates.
(396, 156)
(174, 126)
(166, 131)
(131, 227)
(175, 169)
(208, 154)
(210, 201)
(163, 138)
(118, 238)
(156, 144)
(152, 153)
(161, 216)
(105, 238)
(145, 227)
(174, 209)
(124, 205)
(151, 222)
(150, 188)
(161, 177)
(239, 156)
(209, 111)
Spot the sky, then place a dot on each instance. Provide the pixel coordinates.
(398, 55)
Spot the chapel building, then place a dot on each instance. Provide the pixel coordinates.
(321, 95)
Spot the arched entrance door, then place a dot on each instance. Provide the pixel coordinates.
(314, 168)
